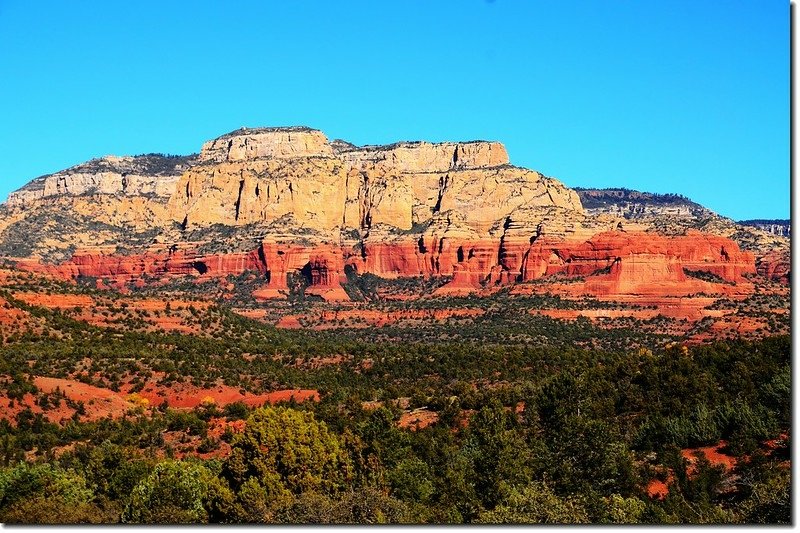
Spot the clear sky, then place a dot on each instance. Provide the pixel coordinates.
(685, 96)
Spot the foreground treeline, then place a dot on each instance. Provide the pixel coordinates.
(592, 436)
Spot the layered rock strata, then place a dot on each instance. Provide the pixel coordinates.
(611, 263)
(456, 210)
(152, 175)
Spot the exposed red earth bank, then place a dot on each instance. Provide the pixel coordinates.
(100, 402)
(715, 455)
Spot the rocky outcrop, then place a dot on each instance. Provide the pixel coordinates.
(309, 191)
(635, 204)
(260, 176)
(150, 175)
(121, 269)
(423, 157)
(776, 266)
(780, 228)
(248, 144)
(325, 273)
(635, 263)
(613, 262)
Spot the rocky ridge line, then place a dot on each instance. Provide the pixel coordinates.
(298, 204)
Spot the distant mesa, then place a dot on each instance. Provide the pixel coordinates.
(780, 227)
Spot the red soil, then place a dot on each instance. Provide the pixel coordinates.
(255, 314)
(11, 316)
(98, 402)
(101, 403)
(712, 453)
(417, 419)
(55, 301)
(773, 444)
(289, 322)
(692, 308)
(97, 311)
(659, 489)
(218, 426)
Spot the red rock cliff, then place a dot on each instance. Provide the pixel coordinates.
(612, 263)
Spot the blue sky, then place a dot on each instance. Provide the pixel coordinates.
(683, 96)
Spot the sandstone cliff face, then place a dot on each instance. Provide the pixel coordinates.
(280, 143)
(286, 202)
(672, 214)
(422, 157)
(95, 203)
(259, 176)
(640, 263)
(151, 175)
(410, 183)
(779, 228)
(488, 197)
(776, 265)
(121, 269)
(309, 190)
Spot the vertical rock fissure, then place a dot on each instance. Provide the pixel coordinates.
(549, 194)
(344, 211)
(442, 186)
(262, 258)
(238, 203)
(366, 203)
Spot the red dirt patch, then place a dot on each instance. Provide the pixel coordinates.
(778, 442)
(10, 315)
(417, 419)
(218, 426)
(289, 322)
(97, 401)
(55, 301)
(255, 314)
(712, 453)
(658, 489)
(105, 312)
